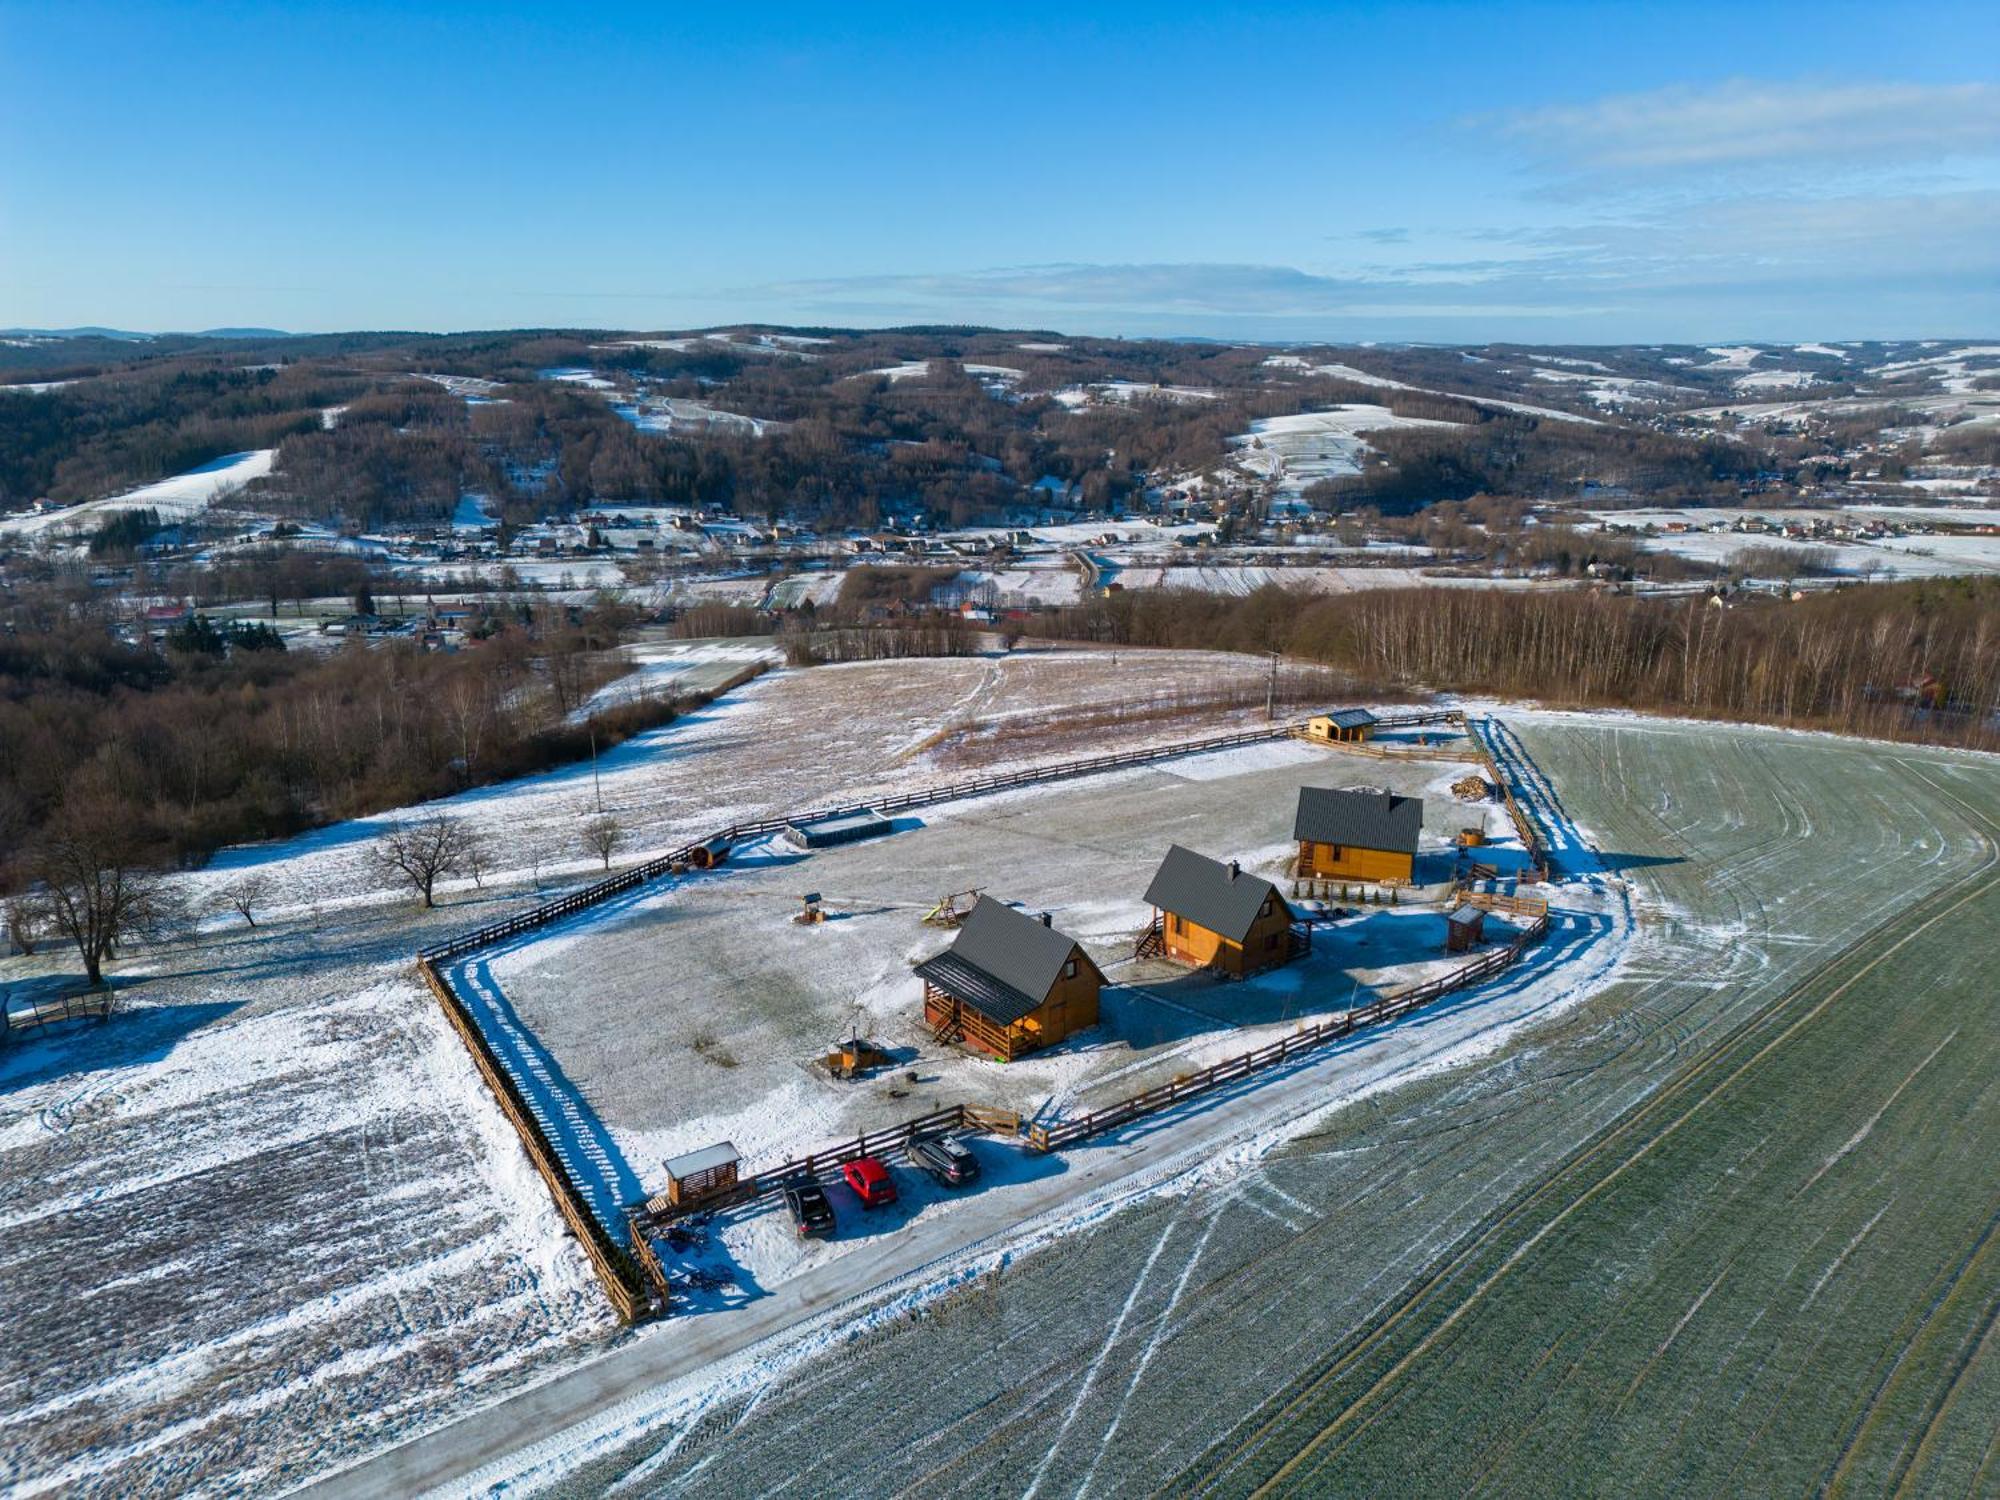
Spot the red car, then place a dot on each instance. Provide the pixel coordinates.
(871, 1182)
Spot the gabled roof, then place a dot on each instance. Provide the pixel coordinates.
(1003, 962)
(1350, 718)
(1208, 893)
(1363, 820)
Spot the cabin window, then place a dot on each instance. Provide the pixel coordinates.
(1271, 941)
(1175, 924)
(1069, 969)
(1265, 909)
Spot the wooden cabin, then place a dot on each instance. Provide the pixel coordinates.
(1360, 836)
(1210, 915)
(1343, 726)
(1009, 983)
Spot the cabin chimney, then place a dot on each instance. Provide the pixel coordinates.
(1234, 869)
(1047, 920)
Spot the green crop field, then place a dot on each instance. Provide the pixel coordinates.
(1727, 1227)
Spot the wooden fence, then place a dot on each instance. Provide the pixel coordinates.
(676, 861)
(626, 1278)
(614, 1266)
(1377, 1012)
(889, 1141)
(81, 1005)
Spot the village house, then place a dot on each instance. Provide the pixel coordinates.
(1009, 983)
(1362, 835)
(1211, 915)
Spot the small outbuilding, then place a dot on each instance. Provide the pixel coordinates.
(1211, 915)
(1343, 726)
(710, 853)
(706, 1173)
(1009, 983)
(1464, 928)
(1357, 835)
(843, 828)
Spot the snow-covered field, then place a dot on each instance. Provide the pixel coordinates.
(176, 499)
(1106, 1346)
(287, 1226)
(267, 1218)
(690, 1013)
(1300, 450)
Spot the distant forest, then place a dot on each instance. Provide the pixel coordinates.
(841, 445)
(1897, 661)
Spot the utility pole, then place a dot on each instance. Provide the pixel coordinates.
(1271, 692)
(595, 782)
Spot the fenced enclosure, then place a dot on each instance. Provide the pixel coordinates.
(627, 1265)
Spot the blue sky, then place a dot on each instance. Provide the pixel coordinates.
(1576, 173)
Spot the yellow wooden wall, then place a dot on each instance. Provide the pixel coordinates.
(1191, 943)
(1317, 862)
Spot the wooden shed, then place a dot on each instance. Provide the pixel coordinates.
(1211, 915)
(1009, 983)
(706, 1173)
(1341, 726)
(1464, 928)
(1357, 835)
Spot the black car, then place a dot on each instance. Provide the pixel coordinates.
(946, 1158)
(810, 1210)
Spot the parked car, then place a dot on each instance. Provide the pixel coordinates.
(811, 1212)
(946, 1158)
(871, 1182)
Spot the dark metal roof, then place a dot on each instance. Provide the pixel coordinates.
(1363, 820)
(1350, 718)
(1003, 962)
(1205, 892)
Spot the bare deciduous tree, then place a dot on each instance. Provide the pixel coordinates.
(478, 860)
(603, 836)
(28, 920)
(246, 895)
(420, 854)
(100, 892)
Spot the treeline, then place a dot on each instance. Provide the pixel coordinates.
(1537, 457)
(1908, 661)
(119, 431)
(809, 645)
(221, 738)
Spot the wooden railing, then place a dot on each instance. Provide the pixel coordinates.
(93, 1005)
(676, 861)
(1387, 1008)
(622, 1275)
(889, 1141)
(615, 1268)
(1532, 907)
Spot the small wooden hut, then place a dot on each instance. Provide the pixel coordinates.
(702, 1174)
(1341, 726)
(1464, 928)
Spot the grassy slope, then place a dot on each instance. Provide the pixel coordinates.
(1494, 1280)
(1778, 1274)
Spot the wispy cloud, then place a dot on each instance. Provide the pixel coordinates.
(1755, 266)
(1747, 122)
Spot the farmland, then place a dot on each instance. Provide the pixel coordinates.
(1717, 1227)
